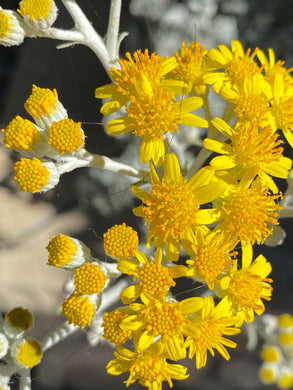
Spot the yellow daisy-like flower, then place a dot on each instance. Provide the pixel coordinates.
(273, 67)
(172, 208)
(236, 64)
(35, 175)
(248, 210)
(282, 107)
(39, 15)
(112, 330)
(153, 114)
(167, 320)
(193, 64)
(252, 99)
(121, 241)
(210, 254)
(11, 30)
(79, 309)
(245, 288)
(140, 66)
(250, 147)
(149, 367)
(213, 323)
(154, 279)
(26, 353)
(66, 136)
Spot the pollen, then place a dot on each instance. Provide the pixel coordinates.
(62, 250)
(35, 9)
(29, 353)
(5, 24)
(20, 134)
(210, 336)
(79, 310)
(155, 279)
(66, 136)
(164, 319)
(31, 175)
(150, 118)
(171, 209)
(20, 318)
(42, 101)
(89, 279)
(112, 331)
(121, 241)
(247, 213)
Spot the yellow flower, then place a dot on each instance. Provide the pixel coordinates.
(89, 279)
(149, 367)
(26, 353)
(153, 114)
(128, 78)
(210, 254)
(11, 29)
(213, 323)
(154, 278)
(236, 64)
(166, 320)
(38, 15)
(248, 210)
(172, 208)
(66, 136)
(273, 67)
(282, 107)
(245, 288)
(249, 148)
(193, 64)
(252, 99)
(112, 330)
(80, 309)
(121, 241)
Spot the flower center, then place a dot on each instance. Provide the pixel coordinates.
(251, 107)
(240, 67)
(20, 134)
(30, 175)
(61, 250)
(5, 24)
(246, 289)
(121, 241)
(210, 335)
(112, 330)
(283, 112)
(155, 279)
(66, 136)
(171, 209)
(147, 370)
(35, 9)
(79, 310)
(89, 279)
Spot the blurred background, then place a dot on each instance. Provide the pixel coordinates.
(87, 202)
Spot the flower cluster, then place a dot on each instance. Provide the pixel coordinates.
(18, 351)
(206, 217)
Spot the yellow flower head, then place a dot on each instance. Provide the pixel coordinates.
(149, 367)
(38, 15)
(21, 134)
(35, 175)
(249, 148)
(79, 309)
(26, 353)
(236, 64)
(245, 288)
(66, 136)
(89, 279)
(11, 30)
(121, 241)
(154, 278)
(167, 320)
(282, 107)
(213, 323)
(128, 78)
(193, 64)
(271, 353)
(273, 67)
(20, 319)
(268, 373)
(67, 252)
(151, 115)
(43, 105)
(210, 254)
(285, 321)
(172, 208)
(112, 331)
(248, 210)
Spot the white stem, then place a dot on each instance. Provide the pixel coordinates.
(90, 37)
(64, 35)
(113, 31)
(57, 335)
(25, 380)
